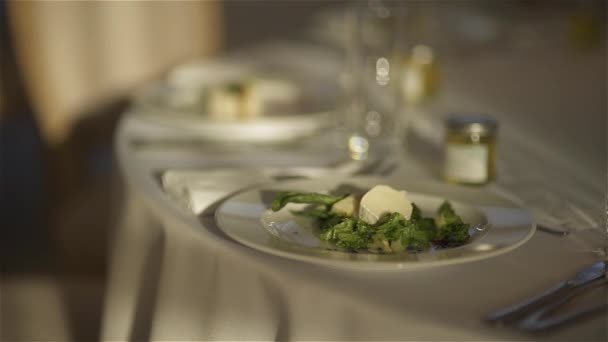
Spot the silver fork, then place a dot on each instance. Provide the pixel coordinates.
(517, 311)
(537, 321)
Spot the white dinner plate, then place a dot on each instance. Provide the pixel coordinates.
(497, 225)
(176, 102)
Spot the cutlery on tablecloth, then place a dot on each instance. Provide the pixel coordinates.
(347, 168)
(547, 228)
(538, 320)
(516, 311)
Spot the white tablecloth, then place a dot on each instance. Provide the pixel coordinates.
(174, 276)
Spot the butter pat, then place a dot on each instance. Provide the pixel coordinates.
(382, 200)
(348, 206)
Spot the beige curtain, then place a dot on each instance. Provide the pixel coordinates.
(76, 55)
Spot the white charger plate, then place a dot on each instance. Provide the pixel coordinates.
(496, 227)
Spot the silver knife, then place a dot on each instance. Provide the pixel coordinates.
(587, 275)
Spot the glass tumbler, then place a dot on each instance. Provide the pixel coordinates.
(373, 114)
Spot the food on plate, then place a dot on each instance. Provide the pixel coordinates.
(348, 206)
(251, 98)
(382, 200)
(225, 102)
(383, 220)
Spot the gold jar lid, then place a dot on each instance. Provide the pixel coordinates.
(471, 124)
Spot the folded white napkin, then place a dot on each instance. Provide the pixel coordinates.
(198, 189)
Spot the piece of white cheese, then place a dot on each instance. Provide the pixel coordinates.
(270, 96)
(225, 103)
(382, 200)
(348, 206)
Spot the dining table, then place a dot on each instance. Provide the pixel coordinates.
(174, 275)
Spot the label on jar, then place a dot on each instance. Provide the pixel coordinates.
(467, 163)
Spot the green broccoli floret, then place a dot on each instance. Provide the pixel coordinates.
(451, 231)
(416, 213)
(412, 236)
(416, 233)
(389, 225)
(447, 214)
(346, 234)
(452, 235)
(425, 224)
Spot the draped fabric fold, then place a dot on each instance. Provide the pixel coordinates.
(76, 55)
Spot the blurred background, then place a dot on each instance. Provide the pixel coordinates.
(67, 70)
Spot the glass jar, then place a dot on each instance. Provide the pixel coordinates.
(470, 149)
